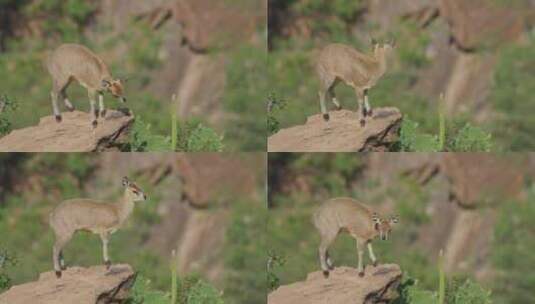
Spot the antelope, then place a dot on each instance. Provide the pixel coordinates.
(346, 214)
(76, 62)
(341, 63)
(102, 218)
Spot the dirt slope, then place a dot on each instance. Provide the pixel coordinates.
(73, 134)
(78, 285)
(343, 286)
(342, 133)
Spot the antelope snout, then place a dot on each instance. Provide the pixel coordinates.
(144, 196)
(123, 99)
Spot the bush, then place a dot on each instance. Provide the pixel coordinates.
(466, 139)
(470, 138)
(7, 106)
(191, 137)
(203, 139)
(6, 260)
(274, 105)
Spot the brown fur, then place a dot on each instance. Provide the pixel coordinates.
(341, 63)
(73, 62)
(348, 215)
(102, 218)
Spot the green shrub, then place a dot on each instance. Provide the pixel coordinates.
(191, 137)
(467, 292)
(203, 139)
(142, 139)
(7, 106)
(203, 293)
(466, 139)
(411, 140)
(274, 105)
(470, 138)
(6, 261)
(274, 260)
(143, 292)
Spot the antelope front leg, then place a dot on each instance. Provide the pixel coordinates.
(367, 107)
(92, 108)
(322, 95)
(360, 256)
(361, 107)
(101, 105)
(372, 256)
(55, 106)
(104, 237)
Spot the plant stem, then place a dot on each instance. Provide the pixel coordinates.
(442, 124)
(174, 124)
(174, 265)
(441, 279)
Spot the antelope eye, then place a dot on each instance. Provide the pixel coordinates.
(135, 192)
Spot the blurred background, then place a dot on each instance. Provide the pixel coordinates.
(215, 223)
(211, 54)
(476, 207)
(479, 53)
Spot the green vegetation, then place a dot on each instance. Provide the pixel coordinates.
(512, 252)
(6, 261)
(465, 139)
(245, 254)
(244, 99)
(274, 260)
(6, 106)
(512, 96)
(274, 105)
(456, 292)
(190, 290)
(189, 137)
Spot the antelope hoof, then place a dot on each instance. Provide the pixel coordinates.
(63, 267)
(97, 113)
(361, 273)
(338, 108)
(362, 122)
(94, 123)
(58, 118)
(369, 112)
(325, 273)
(58, 274)
(331, 267)
(326, 117)
(103, 113)
(108, 265)
(375, 263)
(70, 109)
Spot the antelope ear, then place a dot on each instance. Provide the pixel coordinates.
(126, 182)
(105, 83)
(394, 219)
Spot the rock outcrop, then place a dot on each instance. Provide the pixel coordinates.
(344, 286)
(342, 133)
(78, 285)
(74, 134)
